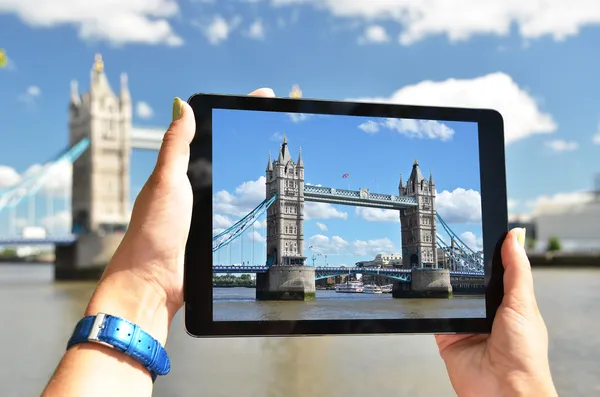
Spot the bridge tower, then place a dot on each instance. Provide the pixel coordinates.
(287, 278)
(100, 184)
(419, 223)
(100, 200)
(419, 249)
(285, 218)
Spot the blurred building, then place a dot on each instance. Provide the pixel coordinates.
(576, 226)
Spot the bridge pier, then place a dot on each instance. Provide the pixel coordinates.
(425, 283)
(286, 283)
(86, 258)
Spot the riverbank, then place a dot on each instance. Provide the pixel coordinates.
(563, 260)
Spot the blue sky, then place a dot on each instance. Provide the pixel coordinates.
(534, 62)
(372, 151)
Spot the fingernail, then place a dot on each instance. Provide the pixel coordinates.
(521, 233)
(177, 109)
(268, 92)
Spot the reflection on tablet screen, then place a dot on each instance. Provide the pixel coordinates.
(328, 217)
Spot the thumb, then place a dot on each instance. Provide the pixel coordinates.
(518, 280)
(174, 154)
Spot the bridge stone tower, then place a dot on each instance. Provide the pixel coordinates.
(100, 201)
(419, 249)
(100, 187)
(418, 223)
(285, 218)
(287, 278)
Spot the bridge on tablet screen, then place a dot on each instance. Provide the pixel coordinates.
(431, 263)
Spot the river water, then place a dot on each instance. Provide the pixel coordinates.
(239, 304)
(37, 317)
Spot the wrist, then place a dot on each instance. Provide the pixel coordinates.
(129, 296)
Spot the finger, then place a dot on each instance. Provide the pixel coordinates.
(263, 92)
(174, 154)
(518, 279)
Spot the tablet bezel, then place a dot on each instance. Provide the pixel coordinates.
(198, 279)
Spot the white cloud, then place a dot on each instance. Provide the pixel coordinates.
(558, 203)
(56, 182)
(559, 145)
(60, 222)
(256, 237)
(459, 206)
(322, 226)
(322, 211)
(421, 129)
(144, 22)
(511, 203)
(220, 29)
(144, 110)
(256, 30)
(8, 176)
(521, 114)
(251, 193)
(421, 19)
(221, 221)
(298, 117)
(377, 214)
(374, 34)
(370, 127)
(336, 245)
(596, 138)
(277, 136)
(472, 241)
(31, 94)
(373, 247)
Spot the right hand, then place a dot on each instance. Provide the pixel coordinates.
(513, 359)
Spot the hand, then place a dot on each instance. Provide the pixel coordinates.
(144, 280)
(513, 359)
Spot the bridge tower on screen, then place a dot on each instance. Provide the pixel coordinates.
(285, 217)
(419, 223)
(100, 190)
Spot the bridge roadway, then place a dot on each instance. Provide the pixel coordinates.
(322, 272)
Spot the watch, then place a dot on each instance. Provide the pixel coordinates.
(125, 337)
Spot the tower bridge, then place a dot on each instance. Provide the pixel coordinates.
(102, 138)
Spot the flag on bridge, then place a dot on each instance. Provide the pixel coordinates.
(345, 176)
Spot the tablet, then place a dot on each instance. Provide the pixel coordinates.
(316, 217)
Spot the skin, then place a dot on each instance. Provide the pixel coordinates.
(143, 283)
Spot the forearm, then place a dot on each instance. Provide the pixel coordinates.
(92, 369)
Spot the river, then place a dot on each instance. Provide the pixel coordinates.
(238, 304)
(38, 316)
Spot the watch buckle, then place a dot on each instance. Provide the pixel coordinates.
(97, 326)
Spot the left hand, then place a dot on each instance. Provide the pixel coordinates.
(144, 280)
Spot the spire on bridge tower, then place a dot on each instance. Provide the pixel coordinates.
(431, 184)
(270, 163)
(284, 153)
(300, 162)
(401, 183)
(75, 98)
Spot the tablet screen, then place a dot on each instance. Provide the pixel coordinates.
(329, 217)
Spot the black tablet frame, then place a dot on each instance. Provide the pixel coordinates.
(198, 279)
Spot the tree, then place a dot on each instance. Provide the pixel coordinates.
(245, 277)
(553, 244)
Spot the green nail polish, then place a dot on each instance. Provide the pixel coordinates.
(521, 237)
(177, 109)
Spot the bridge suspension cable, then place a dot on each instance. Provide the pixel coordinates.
(459, 256)
(455, 237)
(237, 229)
(33, 183)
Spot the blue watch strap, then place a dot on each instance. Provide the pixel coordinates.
(123, 336)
